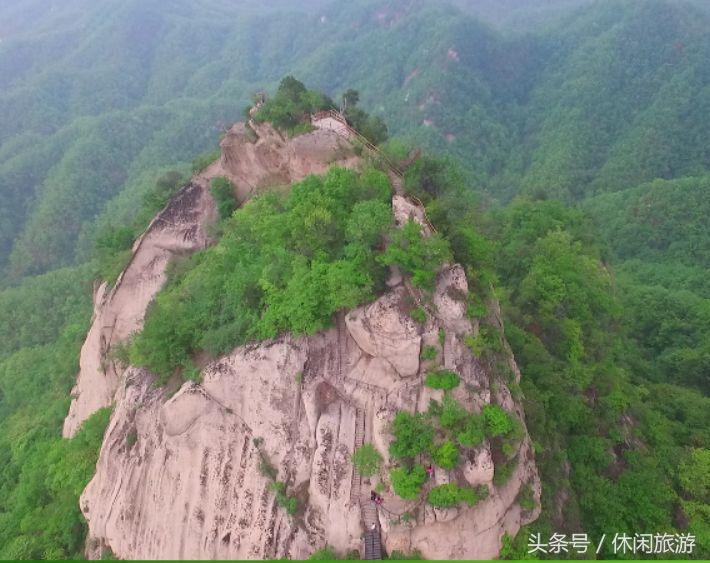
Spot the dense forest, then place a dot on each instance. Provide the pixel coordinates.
(571, 173)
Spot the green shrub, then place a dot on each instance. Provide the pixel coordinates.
(301, 129)
(473, 432)
(326, 553)
(419, 315)
(290, 108)
(452, 413)
(475, 307)
(222, 191)
(446, 455)
(497, 421)
(285, 263)
(503, 472)
(367, 460)
(429, 353)
(131, 438)
(408, 483)
(419, 256)
(415, 555)
(442, 379)
(488, 341)
(449, 495)
(526, 498)
(413, 435)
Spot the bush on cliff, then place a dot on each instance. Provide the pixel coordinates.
(284, 263)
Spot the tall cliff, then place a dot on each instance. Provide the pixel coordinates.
(181, 475)
(253, 157)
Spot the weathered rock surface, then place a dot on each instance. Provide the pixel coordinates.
(119, 311)
(180, 476)
(252, 159)
(257, 155)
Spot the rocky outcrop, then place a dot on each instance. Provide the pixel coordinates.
(182, 475)
(193, 457)
(119, 311)
(257, 155)
(253, 158)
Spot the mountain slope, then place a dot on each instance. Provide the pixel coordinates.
(594, 104)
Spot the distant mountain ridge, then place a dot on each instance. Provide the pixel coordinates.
(151, 88)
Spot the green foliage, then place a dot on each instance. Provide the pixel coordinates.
(292, 105)
(222, 191)
(452, 413)
(408, 483)
(419, 315)
(694, 474)
(503, 472)
(372, 127)
(497, 421)
(285, 263)
(516, 548)
(288, 503)
(326, 553)
(367, 460)
(429, 353)
(89, 120)
(42, 324)
(442, 379)
(41, 518)
(450, 495)
(412, 435)
(368, 220)
(526, 498)
(486, 342)
(473, 432)
(401, 556)
(446, 455)
(418, 256)
(204, 160)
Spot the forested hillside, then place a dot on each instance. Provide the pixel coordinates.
(581, 126)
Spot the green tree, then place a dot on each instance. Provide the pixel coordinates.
(473, 432)
(497, 421)
(408, 483)
(222, 191)
(442, 379)
(450, 494)
(452, 413)
(446, 455)
(419, 256)
(367, 460)
(413, 435)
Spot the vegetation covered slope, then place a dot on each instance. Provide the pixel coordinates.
(595, 103)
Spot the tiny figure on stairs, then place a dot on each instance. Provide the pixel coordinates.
(373, 496)
(430, 471)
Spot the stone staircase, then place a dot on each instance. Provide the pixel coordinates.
(372, 543)
(356, 483)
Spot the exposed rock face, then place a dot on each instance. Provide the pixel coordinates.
(262, 158)
(179, 477)
(118, 312)
(257, 155)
